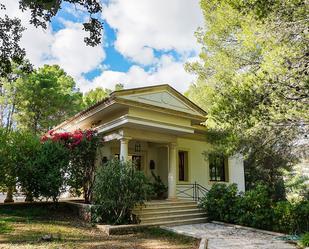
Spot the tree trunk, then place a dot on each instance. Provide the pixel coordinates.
(9, 195)
(29, 197)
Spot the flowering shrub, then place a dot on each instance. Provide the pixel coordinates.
(82, 145)
(70, 139)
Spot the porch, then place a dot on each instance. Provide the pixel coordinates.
(152, 153)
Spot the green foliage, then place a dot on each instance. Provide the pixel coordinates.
(5, 227)
(220, 202)
(253, 82)
(49, 168)
(95, 95)
(39, 169)
(41, 13)
(118, 188)
(82, 167)
(304, 240)
(45, 98)
(255, 208)
(6, 160)
(158, 186)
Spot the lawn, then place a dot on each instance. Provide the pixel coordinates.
(23, 227)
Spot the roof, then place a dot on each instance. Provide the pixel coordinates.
(118, 93)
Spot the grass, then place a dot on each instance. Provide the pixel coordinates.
(23, 227)
(161, 233)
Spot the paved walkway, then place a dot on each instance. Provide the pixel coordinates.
(229, 237)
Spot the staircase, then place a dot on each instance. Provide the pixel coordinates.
(165, 212)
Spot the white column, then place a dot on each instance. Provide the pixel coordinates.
(124, 148)
(172, 172)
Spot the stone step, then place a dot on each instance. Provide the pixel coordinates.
(171, 218)
(178, 222)
(166, 202)
(157, 213)
(163, 208)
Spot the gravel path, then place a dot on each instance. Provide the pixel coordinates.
(230, 237)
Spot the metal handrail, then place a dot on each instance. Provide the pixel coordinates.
(192, 191)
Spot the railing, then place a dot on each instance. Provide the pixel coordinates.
(192, 191)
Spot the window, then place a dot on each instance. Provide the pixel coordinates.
(183, 166)
(218, 167)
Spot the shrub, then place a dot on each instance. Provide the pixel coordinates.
(83, 146)
(42, 173)
(220, 202)
(291, 217)
(301, 220)
(304, 240)
(284, 213)
(255, 208)
(118, 188)
(158, 186)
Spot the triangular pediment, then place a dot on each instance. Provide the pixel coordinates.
(164, 99)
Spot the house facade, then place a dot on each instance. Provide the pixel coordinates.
(162, 132)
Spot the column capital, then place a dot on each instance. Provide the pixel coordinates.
(172, 145)
(124, 139)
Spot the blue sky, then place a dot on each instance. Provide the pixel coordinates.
(145, 42)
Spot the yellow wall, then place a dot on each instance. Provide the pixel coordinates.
(198, 166)
(159, 117)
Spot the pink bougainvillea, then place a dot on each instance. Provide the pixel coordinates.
(70, 139)
(82, 146)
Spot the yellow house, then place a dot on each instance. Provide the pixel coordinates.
(161, 131)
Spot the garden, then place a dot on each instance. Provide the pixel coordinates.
(44, 168)
(256, 208)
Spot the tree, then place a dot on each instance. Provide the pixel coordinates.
(95, 95)
(7, 159)
(45, 98)
(41, 167)
(8, 93)
(253, 80)
(42, 13)
(10, 52)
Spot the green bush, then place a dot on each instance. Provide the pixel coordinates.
(158, 186)
(42, 172)
(220, 202)
(118, 188)
(304, 240)
(255, 208)
(284, 214)
(291, 217)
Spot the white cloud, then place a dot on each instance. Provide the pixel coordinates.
(71, 53)
(168, 71)
(145, 25)
(65, 47)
